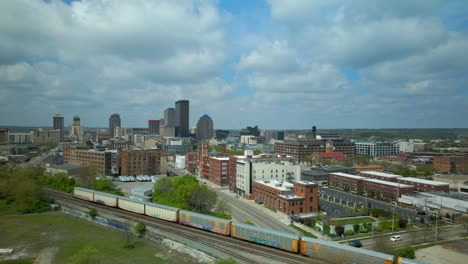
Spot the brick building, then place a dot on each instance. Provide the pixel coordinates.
(370, 167)
(296, 198)
(302, 149)
(374, 188)
(380, 176)
(191, 161)
(96, 160)
(41, 136)
(4, 135)
(143, 162)
(422, 185)
(218, 170)
(347, 182)
(451, 164)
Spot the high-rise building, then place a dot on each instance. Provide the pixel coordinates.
(153, 126)
(114, 121)
(182, 118)
(205, 127)
(76, 131)
(169, 117)
(59, 123)
(4, 135)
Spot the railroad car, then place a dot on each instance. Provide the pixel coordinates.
(206, 222)
(163, 212)
(338, 253)
(84, 194)
(105, 198)
(131, 205)
(268, 237)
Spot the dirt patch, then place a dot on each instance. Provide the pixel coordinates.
(46, 256)
(453, 253)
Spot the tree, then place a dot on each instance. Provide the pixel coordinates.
(93, 213)
(140, 229)
(339, 230)
(87, 176)
(402, 222)
(356, 228)
(407, 252)
(86, 255)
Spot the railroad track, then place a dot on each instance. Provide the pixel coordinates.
(242, 251)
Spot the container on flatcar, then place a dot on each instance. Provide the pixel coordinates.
(205, 222)
(105, 198)
(131, 205)
(163, 212)
(339, 253)
(84, 194)
(267, 237)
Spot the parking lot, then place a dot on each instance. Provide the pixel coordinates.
(332, 200)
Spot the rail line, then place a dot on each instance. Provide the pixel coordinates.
(240, 250)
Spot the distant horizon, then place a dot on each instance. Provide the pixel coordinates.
(281, 129)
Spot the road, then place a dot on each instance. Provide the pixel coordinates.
(416, 236)
(243, 210)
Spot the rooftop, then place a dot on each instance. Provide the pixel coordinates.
(65, 166)
(220, 158)
(340, 174)
(394, 184)
(275, 184)
(381, 174)
(453, 195)
(428, 182)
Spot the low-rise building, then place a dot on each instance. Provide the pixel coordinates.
(380, 176)
(347, 182)
(218, 170)
(376, 149)
(180, 161)
(100, 161)
(451, 164)
(300, 197)
(143, 162)
(370, 167)
(320, 174)
(20, 137)
(191, 161)
(41, 136)
(422, 185)
(68, 169)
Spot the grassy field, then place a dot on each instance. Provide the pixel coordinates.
(65, 236)
(352, 221)
(305, 233)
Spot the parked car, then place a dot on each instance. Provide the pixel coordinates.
(355, 243)
(396, 238)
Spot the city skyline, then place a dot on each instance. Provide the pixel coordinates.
(276, 64)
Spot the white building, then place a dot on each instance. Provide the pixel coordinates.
(249, 171)
(406, 146)
(376, 149)
(248, 139)
(435, 202)
(180, 161)
(138, 140)
(19, 137)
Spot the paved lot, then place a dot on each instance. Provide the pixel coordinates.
(453, 253)
(128, 186)
(346, 200)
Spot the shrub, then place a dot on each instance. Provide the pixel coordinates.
(140, 229)
(318, 228)
(402, 223)
(92, 213)
(326, 229)
(332, 235)
(349, 232)
(407, 252)
(363, 230)
(378, 228)
(339, 230)
(356, 228)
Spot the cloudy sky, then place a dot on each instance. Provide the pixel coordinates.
(276, 64)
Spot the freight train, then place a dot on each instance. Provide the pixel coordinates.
(315, 248)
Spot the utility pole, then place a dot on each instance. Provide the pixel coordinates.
(393, 218)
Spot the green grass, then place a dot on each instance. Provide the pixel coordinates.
(69, 235)
(249, 223)
(270, 208)
(352, 221)
(305, 233)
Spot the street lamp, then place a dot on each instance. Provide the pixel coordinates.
(393, 218)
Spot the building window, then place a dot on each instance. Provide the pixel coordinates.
(311, 199)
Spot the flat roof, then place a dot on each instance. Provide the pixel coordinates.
(222, 158)
(381, 174)
(346, 175)
(428, 182)
(66, 166)
(453, 195)
(394, 184)
(275, 184)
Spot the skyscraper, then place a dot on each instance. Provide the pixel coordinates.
(153, 126)
(114, 121)
(59, 123)
(76, 131)
(169, 117)
(205, 127)
(182, 118)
